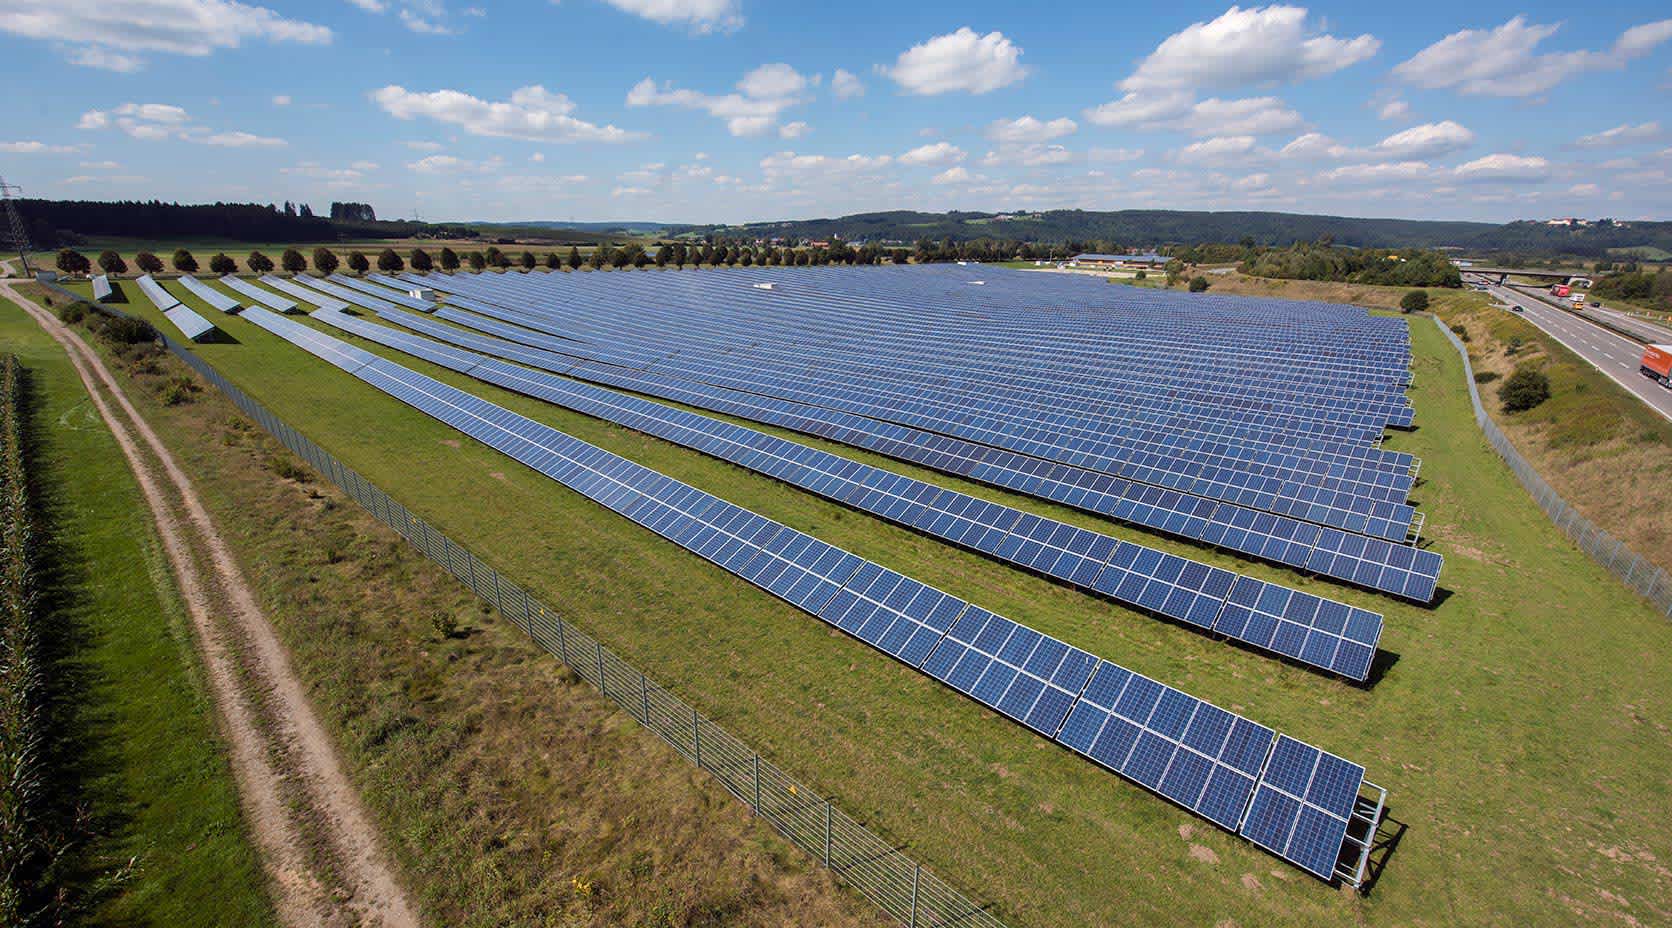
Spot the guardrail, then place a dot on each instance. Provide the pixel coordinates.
(1653, 582)
(880, 871)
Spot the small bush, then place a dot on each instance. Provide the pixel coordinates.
(287, 468)
(1485, 376)
(1524, 389)
(1461, 333)
(124, 330)
(1198, 284)
(73, 313)
(1414, 301)
(179, 390)
(446, 625)
(1141, 275)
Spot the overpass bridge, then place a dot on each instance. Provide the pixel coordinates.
(1502, 273)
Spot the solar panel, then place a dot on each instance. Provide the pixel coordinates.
(265, 297)
(1301, 808)
(1169, 585)
(187, 320)
(101, 288)
(209, 295)
(154, 292)
(1203, 757)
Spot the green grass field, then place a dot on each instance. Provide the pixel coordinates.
(1521, 728)
(143, 750)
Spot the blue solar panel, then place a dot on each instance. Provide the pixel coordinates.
(1194, 753)
(1302, 806)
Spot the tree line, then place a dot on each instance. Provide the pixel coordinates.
(1378, 266)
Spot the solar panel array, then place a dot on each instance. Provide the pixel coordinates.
(101, 288)
(1302, 489)
(183, 317)
(263, 296)
(1322, 633)
(210, 295)
(1207, 759)
(154, 292)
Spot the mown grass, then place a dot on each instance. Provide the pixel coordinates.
(1521, 727)
(163, 842)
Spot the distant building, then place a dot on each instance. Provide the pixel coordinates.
(1148, 260)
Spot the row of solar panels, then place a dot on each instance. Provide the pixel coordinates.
(788, 316)
(1282, 794)
(1320, 632)
(597, 311)
(1376, 564)
(1348, 501)
(183, 317)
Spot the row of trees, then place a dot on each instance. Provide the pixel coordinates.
(1635, 286)
(1318, 261)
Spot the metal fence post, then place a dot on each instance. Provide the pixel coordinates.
(827, 833)
(696, 733)
(916, 872)
(603, 683)
(757, 784)
(644, 698)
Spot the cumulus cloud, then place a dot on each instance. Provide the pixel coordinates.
(956, 175)
(154, 122)
(1314, 145)
(243, 140)
(764, 94)
(1502, 167)
(846, 85)
(1217, 150)
(1025, 129)
(788, 162)
(701, 16)
(1394, 109)
(1507, 62)
(1136, 109)
(116, 36)
(1378, 173)
(1425, 141)
(36, 148)
(935, 154)
(1248, 116)
(961, 61)
(532, 114)
(1270, 45)
(449, 164)
(1621, 135)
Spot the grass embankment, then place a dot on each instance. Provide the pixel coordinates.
(508, 791)
(158, 838)
(1521, 728)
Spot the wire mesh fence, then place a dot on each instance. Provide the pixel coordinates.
(878, 870)
(1648, 579)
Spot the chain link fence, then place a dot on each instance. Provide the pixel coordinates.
(880, 871)
(1646, 578)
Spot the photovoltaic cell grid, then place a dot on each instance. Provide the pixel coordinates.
(101, 288)
(265, 297)
(686, 348)
(154, 292)
(1398, 569)
(209, 294)
(1176, 587)
(1236, 773)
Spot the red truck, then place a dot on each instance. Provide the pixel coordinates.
(1560, 290)
(1657, 363)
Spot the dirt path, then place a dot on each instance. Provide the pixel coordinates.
(291, 781)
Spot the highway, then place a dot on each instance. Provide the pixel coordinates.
(1614, 355)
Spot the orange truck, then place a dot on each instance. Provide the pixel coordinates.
(1657, 363)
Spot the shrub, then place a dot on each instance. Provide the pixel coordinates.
(1198, 284)
(325, 260)
(1461, 333)
(124, 330)
(179, 390)
(1485, 376)
(73, 313)
(292, 261)
(148, 262)
(259, 263)
(184, 261)
(1524, 389)
(1414, 301)
(358, 263)
(1141, 275)
(222, 263)
(287, 468)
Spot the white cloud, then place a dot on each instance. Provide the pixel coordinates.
(1584, 190)
(538, 157)
(1140, 109)
(242, 140)
(533, 114)
(1038, 154)
(846, 85)
(370, 6)
(1114, 154)
(702, 16)
(114, 36)
(1621, 135)
(788, 162)
(36, 148)
(449, 164)
(1376, 173)
(1394, 109)
(792, 130)
(101, 165)
(1502, 167)
(1026, 129)
(766, 92)
(959, 61)
(956, 175)
(423, 146)
(424, 25)
(364, 165)
(1425, 141)
(1248, 116)
(281, 99)
(1270, 45)
(1314, 145)
(1217, 150)
(1507, 62)
(935, 154)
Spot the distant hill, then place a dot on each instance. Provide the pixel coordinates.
(629, 228)
(1143, 228)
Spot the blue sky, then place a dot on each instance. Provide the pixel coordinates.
(733, 110)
